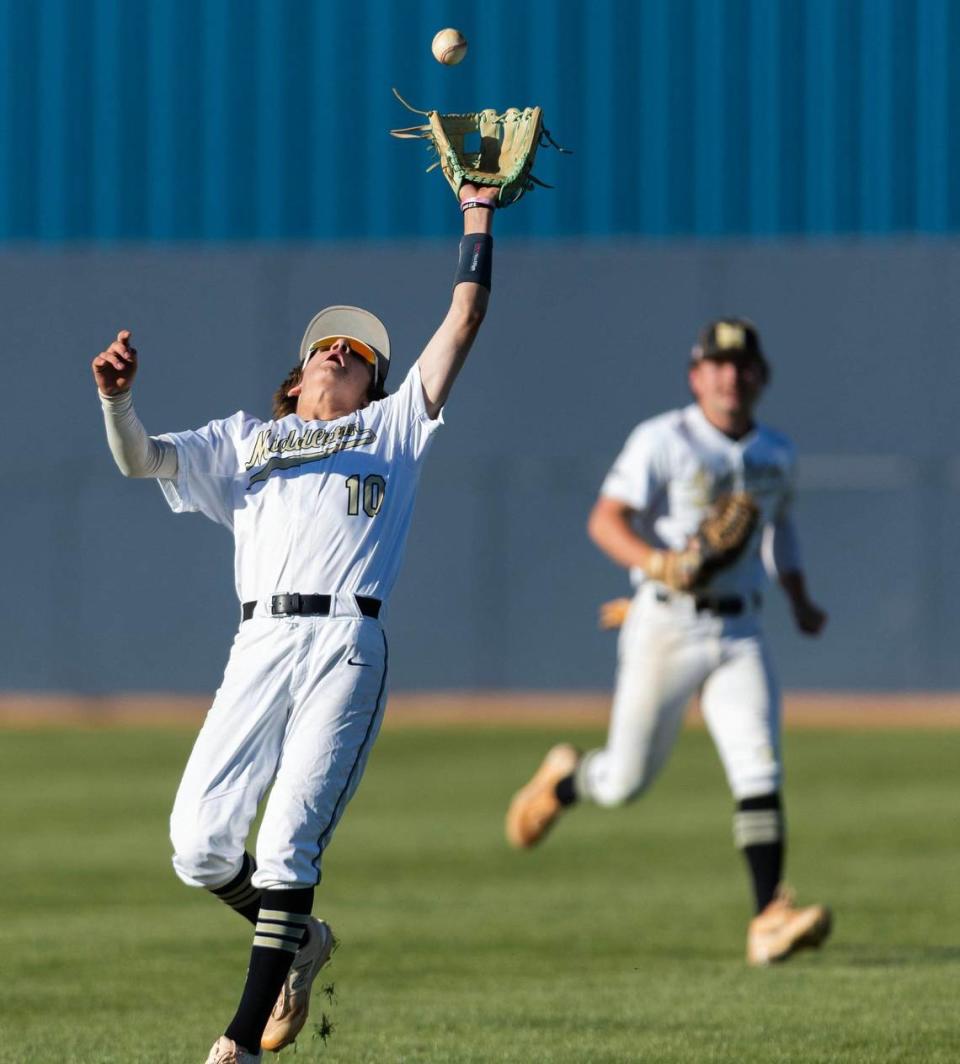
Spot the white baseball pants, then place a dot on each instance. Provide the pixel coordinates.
(300, 706)
(667, 651)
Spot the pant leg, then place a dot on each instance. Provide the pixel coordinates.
(741, 707)
(235, 755)
(664, 656)
(338, 708)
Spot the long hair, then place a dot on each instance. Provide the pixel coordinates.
(284, 404)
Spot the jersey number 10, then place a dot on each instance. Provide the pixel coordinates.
(374, 487)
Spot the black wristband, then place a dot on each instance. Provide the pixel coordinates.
(476, 260)
(469, 204)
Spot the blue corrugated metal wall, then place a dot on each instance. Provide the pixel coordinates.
(260, 119)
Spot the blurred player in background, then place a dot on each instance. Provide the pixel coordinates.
(319, 501)
(692, 627)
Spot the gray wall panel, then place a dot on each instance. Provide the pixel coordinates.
(500, 585)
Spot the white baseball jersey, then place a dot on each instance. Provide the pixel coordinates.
(316, 507)
(674, 466)
(670, 471)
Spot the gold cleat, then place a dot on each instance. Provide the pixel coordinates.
(782, 929)
(290, 1012)
(226, 1051)
(535, 807)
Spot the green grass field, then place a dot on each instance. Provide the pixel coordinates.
(620, 940)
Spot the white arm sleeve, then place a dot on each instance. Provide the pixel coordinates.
(136, 453)
(781, 547)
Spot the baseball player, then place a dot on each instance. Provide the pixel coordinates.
(694, 621)
(319, 501)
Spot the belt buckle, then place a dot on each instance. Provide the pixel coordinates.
(283, 604)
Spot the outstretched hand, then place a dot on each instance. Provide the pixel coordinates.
(115, 368)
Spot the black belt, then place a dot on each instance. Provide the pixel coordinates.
(722, 605)
(310, 606)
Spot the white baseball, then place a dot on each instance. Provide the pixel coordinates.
(449, 46)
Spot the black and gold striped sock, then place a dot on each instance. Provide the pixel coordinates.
(566, 790)
(280, 928)
(758, 830)
(240, 894)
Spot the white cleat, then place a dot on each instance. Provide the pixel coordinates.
(226, 1051)
(782, 929)
(290, 1012)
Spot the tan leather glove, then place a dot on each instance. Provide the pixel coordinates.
(612, 614)
(678, 569)
(721, 538)
(508, 146)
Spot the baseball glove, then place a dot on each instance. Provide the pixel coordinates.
(724, 532)
(718, 542)
(678, 569)
(612, 614)
(508, 145)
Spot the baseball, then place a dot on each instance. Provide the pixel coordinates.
(449, 46)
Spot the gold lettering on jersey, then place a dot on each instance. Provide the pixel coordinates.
(273, 452)
(701, 488)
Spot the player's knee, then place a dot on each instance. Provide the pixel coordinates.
(617, 791)
(761, 780)
(609, 781)
(198, 863)
(203, 869)
(287, 867)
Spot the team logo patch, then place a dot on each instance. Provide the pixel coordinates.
(730, 335)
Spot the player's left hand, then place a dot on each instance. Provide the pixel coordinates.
(808, 617)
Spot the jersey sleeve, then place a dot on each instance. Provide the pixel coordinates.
(406, 416)
(789, 490)
(207, 465)
(638, 476)
(780, 549)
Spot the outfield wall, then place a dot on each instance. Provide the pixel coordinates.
(105, 590)
(686, 117)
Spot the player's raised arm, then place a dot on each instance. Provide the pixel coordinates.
(136, 454)
(443, 357)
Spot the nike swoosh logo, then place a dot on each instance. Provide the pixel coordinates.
(360, 664)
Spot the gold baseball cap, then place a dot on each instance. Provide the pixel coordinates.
(350, 323)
